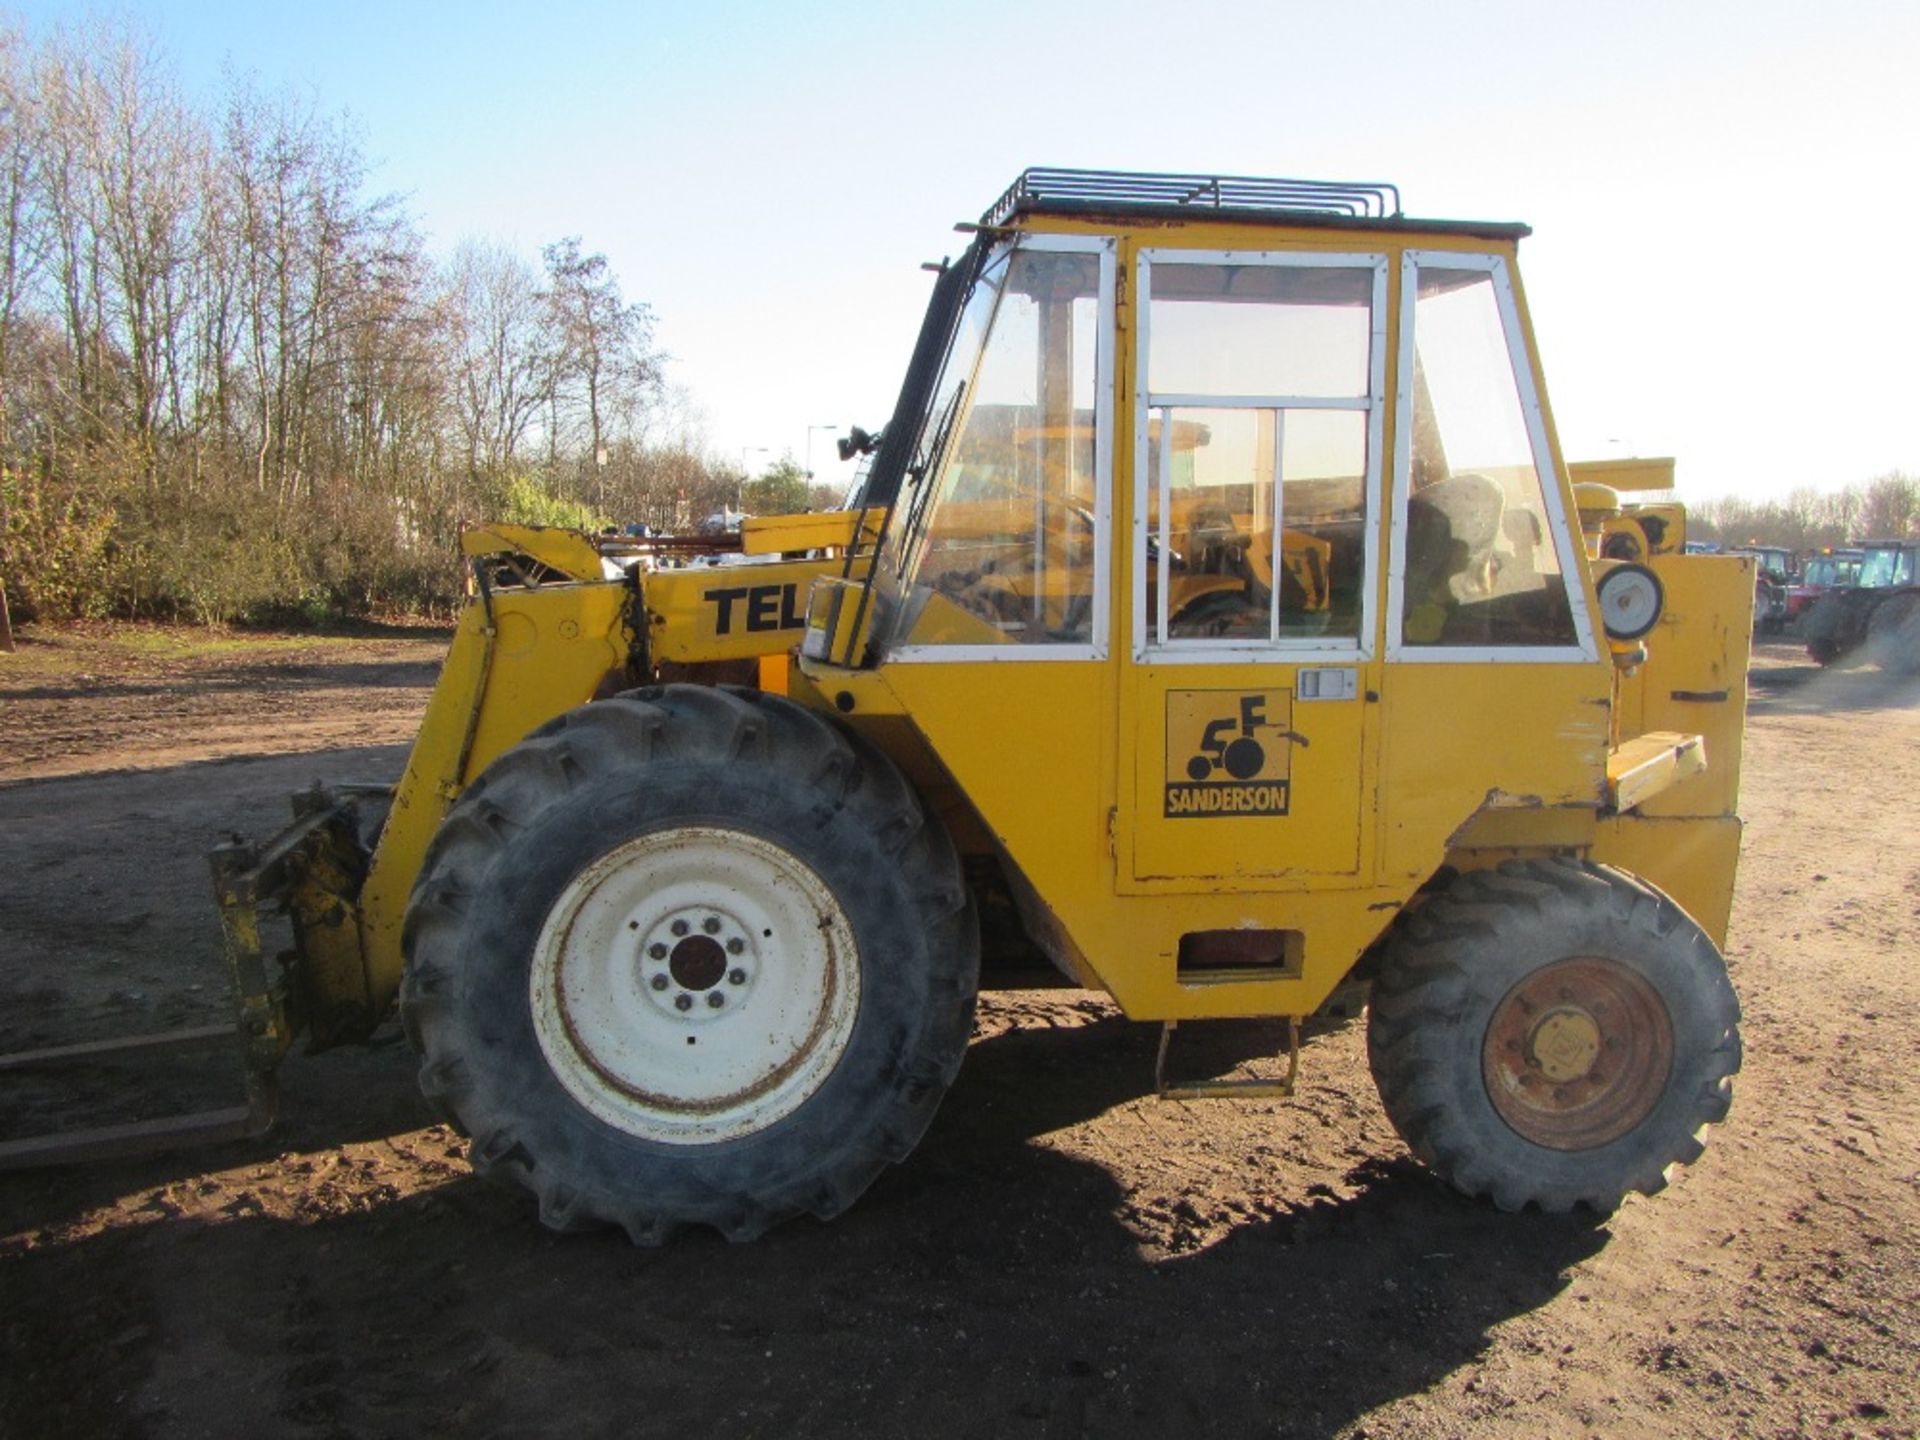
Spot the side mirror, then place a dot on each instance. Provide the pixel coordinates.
(856, 442)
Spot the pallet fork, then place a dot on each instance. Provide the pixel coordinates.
(310, 872)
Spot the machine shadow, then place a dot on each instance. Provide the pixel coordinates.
(362, 1094)
(990, 1283)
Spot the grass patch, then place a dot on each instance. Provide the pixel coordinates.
(53, 650)
(193, 644)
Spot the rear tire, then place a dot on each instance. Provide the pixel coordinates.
(1833, 632)
(689, 956)
(1893, 634)
(1553, 1033)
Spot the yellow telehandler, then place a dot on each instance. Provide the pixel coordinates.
(1218, 616)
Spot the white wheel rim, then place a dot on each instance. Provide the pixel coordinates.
(694, 985)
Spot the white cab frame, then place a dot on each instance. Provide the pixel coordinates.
(1105, 247)
(1572, 563)
(1148, 648)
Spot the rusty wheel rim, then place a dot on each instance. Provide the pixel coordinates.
(1577, 1053)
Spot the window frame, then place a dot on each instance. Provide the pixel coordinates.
(1520, 358)
(1105, 247)
(1148, 646)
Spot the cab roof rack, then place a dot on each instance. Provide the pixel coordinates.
(1044, 189)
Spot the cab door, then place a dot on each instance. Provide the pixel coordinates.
(1258, 414)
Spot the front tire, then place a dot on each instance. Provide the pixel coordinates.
(689, 956)
(1553, 1033)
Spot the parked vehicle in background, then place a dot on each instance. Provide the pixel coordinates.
(1772, 577)
(1878, 619)
(1825, 570)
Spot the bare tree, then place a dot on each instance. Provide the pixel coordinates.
(126, 156)
(21, 142)
(231, 381)
(605, 362)
(1891, 507)
(503, 356)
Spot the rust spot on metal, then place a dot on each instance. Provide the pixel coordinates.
(1540, 1063)
(685, 1106)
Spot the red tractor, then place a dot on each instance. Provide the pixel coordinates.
(1828, 569)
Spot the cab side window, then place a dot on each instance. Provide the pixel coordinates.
(1260, 422)
(1481, 568)
(1012, 547)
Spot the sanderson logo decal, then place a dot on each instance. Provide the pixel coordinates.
(1234, 748)
(1197, 799)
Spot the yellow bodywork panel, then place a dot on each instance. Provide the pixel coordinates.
(568, 551)
(1635, 474)
(1038, 766)
(733, 612)
(816, 530)
(1695, 677)
(1686, 838)
(516, 661)
(1465, 743)
(1237, 776)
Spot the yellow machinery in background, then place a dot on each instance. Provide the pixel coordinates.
(687, 925)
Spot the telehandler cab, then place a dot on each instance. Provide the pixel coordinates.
(1220, 620)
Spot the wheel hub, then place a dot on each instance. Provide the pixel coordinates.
(1578, 1053)
(1564, 1045)
(697, 960)
(694, 985)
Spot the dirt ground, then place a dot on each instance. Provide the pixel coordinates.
(1063, 1256)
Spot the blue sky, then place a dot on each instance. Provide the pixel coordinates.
(1723, 194)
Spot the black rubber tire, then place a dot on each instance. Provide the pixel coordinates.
(1834, 632)
(1893, 634)
(1452, 962)
(644, 762)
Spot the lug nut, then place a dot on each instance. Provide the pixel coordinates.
(711, 925)
(736, 945)
(659, 982)
(657, 950)
(683, 1001)
(679, 927)
(715, 999)
(736, 976)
